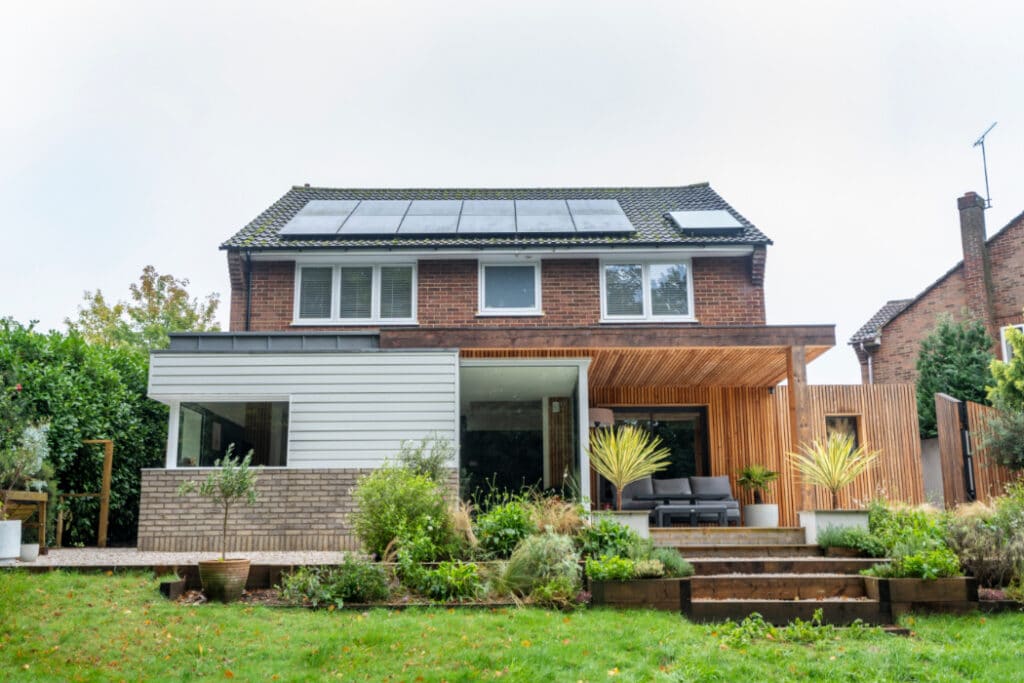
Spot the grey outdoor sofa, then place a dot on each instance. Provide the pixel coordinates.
(683, 499)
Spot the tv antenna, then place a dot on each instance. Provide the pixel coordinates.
(980, 142)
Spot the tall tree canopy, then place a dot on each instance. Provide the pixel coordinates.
(158, 304)
(954, 359)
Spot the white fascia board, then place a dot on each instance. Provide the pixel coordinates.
(397, 256)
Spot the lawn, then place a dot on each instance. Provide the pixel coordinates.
(63, 626)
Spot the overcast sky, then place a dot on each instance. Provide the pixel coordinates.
(147, 133)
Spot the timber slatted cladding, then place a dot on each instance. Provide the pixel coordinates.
(990, 479)
(748, 425)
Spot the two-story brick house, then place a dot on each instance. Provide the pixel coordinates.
(986, 286)
(508, 321)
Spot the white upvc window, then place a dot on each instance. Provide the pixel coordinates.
(1004, 344)
(647, 291)
(509, 288)
(355, 294)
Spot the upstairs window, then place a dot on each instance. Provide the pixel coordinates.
(658, 292)
(352, 294)
(510, 289)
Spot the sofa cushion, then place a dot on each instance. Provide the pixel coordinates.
(642, 487)
(711, 486)
(680, 486)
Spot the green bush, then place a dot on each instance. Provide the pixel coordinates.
(451, 581)
(88, 391)
(432, 456)
(393, 501)
(894, 527)
(934, 563)
(607, 537)
(503, 527)
(561, 593)
(675, 566)
(610, 568)
(539, 560)
(648, 569)
(851, 537)
(354, 580)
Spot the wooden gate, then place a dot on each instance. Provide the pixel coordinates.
(968, 473)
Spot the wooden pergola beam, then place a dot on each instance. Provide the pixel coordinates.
(799, 413)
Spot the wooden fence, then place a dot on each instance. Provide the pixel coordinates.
(748, 425)
(952, 418)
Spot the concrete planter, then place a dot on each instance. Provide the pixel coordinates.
(223, 580)
(10, 540)
(637, 520)
(661, 594)
(29, 552)
(761, 515)
(816, 521)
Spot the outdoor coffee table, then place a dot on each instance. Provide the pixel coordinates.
(665, 513)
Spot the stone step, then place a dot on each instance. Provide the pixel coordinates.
(781, 565)
(776, 587)
(838, 612)
(716, 535)
(743, 550)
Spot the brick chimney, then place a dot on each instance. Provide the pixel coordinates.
(977, 270)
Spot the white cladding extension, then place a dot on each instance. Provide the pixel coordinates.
(348, 409)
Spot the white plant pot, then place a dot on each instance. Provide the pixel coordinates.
(761, 515)
(816, 521)
(29, 552)
(637, 520)
(10, 539)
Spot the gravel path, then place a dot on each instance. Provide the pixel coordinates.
(130, 557)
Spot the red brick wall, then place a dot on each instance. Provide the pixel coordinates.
(895, 360)
(570, 294)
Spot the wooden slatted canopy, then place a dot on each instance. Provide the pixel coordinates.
(643, 355)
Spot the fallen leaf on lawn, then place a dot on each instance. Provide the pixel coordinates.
(228, 673)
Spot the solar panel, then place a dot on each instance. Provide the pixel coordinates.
(714, 222)
(435, 207)
(595, 206)
(541, 207)
(370, 225)
(488, 207)
(599, 216)
(329, 207)
(382, 207)
(544, 224)
(319, 217)
(487, 225)
(428, 225)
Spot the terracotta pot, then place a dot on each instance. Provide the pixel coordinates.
(223, 580)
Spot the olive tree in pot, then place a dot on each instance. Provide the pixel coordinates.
(21, 465)
(231, 483)
(757, 479)
(622, 455)
(833, 465)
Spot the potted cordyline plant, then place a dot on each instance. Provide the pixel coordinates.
(231, 483)
(622, 455)
(757, 479)
(832, 465)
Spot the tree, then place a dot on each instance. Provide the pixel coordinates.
(1003, 435)
(158, 304)
(625, 454)
(834, 464)
(954, 359)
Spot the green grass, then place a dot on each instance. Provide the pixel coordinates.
(63, 626)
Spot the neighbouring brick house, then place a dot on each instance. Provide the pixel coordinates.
(509, 322)
(987, 286)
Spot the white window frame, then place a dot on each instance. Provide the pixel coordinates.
(648, 314)
(482, 309)
(1004, 347)
(375, 317)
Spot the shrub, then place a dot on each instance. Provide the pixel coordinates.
(354, 580)
(432, 457)
(539, 560)
(674, 564)
(648, 569)
(934, 563)
(503, 527)
(393, 501)
(607, 537)
(451, 581)
(896, 526)
(851, 537)
(560, 593)
(1003, 438)
(987, 551)
(625, 454)
(610, 568)
(555, 514)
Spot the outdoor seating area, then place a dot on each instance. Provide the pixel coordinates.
(689, 501)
